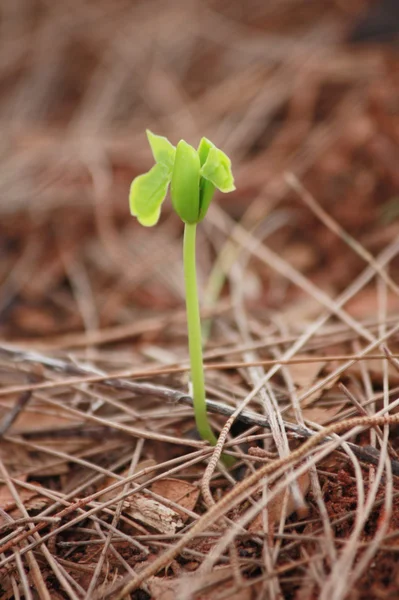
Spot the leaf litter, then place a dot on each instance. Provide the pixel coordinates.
(101, 472)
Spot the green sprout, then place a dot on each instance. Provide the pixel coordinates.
(194, 175)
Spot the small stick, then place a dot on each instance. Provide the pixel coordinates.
(12, 415)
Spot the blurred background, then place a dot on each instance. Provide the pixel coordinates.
(300, 86)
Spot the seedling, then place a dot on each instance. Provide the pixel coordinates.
(194, 175)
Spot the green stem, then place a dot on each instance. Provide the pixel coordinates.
(194, 335)
(195, 340)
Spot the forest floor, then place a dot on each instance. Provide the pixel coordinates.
(103, 479)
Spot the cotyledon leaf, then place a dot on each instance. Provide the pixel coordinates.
(185, 183)
(217, 170)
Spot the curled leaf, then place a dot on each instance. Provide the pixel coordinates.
(207, 189)
(203, 149)
(147, 193)
(217, 170)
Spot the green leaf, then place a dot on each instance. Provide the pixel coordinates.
(217, 170)
(207, 189)
(163, 151)
(203, 149)
(186, 182)
(149, 221)
(147, 193)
